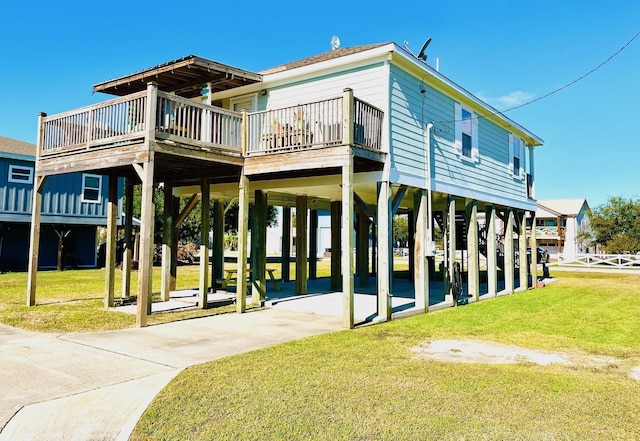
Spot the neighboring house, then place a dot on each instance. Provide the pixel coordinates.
(364, 132)
(558, 224)
(73, 205)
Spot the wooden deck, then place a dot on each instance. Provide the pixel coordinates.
(189, 138)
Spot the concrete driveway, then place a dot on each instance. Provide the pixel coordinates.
(95, 386)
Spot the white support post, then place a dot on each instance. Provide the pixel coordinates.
(492, 252)
(385, 257)
(145, 267)
(509, 268)
(421, 246)
(473, 254)
(128, 251)
(533, 243)
(347, 243)
(110, 260)
(522, 242)
(167, 243)
(203, 287)
(243, 232)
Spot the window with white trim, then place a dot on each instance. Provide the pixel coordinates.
(91, 186)
(20, 174)
(466, 128)
(516, 154)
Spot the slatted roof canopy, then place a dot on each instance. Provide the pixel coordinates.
(184, 76)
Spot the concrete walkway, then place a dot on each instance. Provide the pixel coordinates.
(95, 386)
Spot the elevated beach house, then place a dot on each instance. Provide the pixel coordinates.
(365, 132)
(73, 207)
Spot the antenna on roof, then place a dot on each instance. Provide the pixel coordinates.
(422, 54)
(335, 42)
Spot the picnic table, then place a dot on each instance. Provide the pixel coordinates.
(231, 278)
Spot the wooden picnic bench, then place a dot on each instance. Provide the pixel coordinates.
(231, 278)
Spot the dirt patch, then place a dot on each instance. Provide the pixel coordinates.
(471, 351)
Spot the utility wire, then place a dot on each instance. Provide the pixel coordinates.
(546, 95)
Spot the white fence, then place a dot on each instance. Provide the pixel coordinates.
(617, 261)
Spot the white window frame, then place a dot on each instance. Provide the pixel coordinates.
(22, 170)
(252, 96)
(475, 157)
(84, 188)
(517, 143)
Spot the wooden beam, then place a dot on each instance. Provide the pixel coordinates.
(362, 249)
(217, 271)
(492, 251)
(286, 244)
(421, 282)
(243, 231)
(313, 244)
(335, 245)
(347, 243)
(110, 261)
(145, 266)
(397, 199)
(363, 206)
(522, 242)
(473, 250)
(302, 250)
(509, 269)
(34, 240)
(167, 242)
(259, 247)
(127, 253)
(203, 286)
(348, 118)
(533, 243)
(188, 208)
(385, 251)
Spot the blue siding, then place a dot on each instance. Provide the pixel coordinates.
(410, 111)
(61, 198)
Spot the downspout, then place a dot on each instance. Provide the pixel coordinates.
(430, 249)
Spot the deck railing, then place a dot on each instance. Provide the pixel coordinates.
(198, 122)
(316, 124)
(293, 128)
(122, 121)
(113, 121)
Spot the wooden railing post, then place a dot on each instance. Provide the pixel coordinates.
(150, 111)
(243, 133)
(347, 116)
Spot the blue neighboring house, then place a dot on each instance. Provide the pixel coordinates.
(73, 207)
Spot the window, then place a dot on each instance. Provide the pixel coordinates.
(20, 174)
(516, 149)
(91, 185)
(466, 127)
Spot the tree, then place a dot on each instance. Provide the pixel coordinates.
(616, 225)
(190, 228)
(400, 229)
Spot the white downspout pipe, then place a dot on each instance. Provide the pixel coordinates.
(427, 153)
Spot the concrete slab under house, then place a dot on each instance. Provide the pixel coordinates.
(363, 133)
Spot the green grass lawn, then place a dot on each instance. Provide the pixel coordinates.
(72, 301)
(367, 384)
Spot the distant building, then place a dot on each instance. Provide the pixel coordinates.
(73, 206)
(558, 224)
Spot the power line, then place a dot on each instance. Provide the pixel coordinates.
(546, 95)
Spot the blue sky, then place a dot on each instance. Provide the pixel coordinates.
(506, 52)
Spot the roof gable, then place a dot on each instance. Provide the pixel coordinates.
(566, 207)
(16, 147)
(325, 56)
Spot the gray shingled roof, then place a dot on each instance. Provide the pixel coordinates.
(325, 56)
(9, 145)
